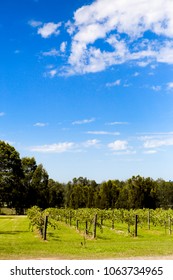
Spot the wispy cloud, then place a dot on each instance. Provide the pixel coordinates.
(155, 143)
(136, 74)
(118, 145)
(91, 143)
(40, 124)
(63, 47)
(55, 52)
(53, 148)
(85, 121)
(102, 132)
(52, 52)
(113, 84)
(65, 146)
(156, 88)
(35, 23)
(170, 85)
(2, 114)
(117, 123)
(157, 140)
(153, 134)
(150, 152)
(51, 73)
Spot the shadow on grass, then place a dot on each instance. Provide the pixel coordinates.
(103, 237)
(53, 237)
(13, 232)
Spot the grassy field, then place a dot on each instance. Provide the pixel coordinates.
(17, 242)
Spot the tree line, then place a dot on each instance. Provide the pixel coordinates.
(24, 183)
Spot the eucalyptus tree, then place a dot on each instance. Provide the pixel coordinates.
(40, 186)
(11, 175)
(29, 166)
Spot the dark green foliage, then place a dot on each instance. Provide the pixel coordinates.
(29, 166)
(11, 175)
(24, 184)
(56, 194)
(40, 186)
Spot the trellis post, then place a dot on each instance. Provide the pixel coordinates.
(136, 225)
(45, 227)
(95, 226)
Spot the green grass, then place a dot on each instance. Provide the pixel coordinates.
(17, 242)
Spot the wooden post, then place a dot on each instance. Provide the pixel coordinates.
(136, 225)
(101, 220)
(45, 227)
(112, 223)
(149, 219)
(113, 219)
(94, 226)
(128, 227)
(86, 227)
(170, 227)
(165, 226)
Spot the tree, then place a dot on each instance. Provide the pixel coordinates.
(40, 186)
(80, 192)
(105, 194)
(164, 194)
(29, 166)
(141, 192)
(11, 174)
(56, 194)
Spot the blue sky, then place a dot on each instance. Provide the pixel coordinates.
(86, 87)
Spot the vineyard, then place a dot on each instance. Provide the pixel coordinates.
(89, 221)
(86, 234)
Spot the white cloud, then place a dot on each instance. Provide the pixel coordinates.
(91, 143)
(117, 123)
(116, 83)
(165, 54)
(155, 143)
(70, 27)
(40, 124)
(130, 18)
(51, 73)
(101, 132)
(35, 23)
(150, 135)
(123, 28)
(66, 146)
(2, 114)
(156, 88)
(52, 52)
(150, 152)
(118, 145)
(124, 152)
(53, 148)
(84, 121)
(136, 74)
(63, 47)
(170, 85)
(49, 29)
(157, 140)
